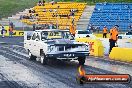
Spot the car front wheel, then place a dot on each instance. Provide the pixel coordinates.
(43, 59)
(31, 57)
(81, 60)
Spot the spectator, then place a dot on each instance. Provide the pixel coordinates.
(3, 32)
(55, 10)
(105, 32)
(50, 10)
(30, 11)
(72, 13)
(37, 28)
(33, 11)
(43, 3)
(105, 3)
(113, 37)
(130, 26)
(44, 10)
(34, 27)
(10, 31)
(39, 3)
(52, 2)
(46, 26)
(98, 29)
(91, 28)
(54, 26)
(53, 15)
(37, 15)
(67, 28)
(26, 17)
(58, 7)
(21, 17)
(50, 26)
(73, 30)
(68, 16)
(11, 24)
(31, 16)
(73, 20)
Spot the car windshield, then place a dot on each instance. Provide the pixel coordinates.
(84, 32)
(47, 35)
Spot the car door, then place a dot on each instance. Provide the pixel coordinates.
(32, 45)
(37, 45)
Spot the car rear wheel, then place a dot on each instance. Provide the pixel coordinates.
(43, 59)
(81, 60)
(31, 57)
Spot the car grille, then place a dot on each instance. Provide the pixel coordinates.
(65, 48)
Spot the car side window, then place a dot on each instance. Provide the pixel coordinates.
(51, 34)
(29, 35)
(34, 36)
(37, 37)
(44, 35)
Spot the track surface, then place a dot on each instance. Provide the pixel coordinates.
(16, 71)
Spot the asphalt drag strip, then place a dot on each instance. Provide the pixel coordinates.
(56, 74)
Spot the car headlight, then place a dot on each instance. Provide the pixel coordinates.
(85, 47)
(51, 48)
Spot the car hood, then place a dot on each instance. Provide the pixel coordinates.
(62, 42)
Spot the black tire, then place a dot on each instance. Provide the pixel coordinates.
(81, 80)
(87, 36)
(43, 59)
(31, 57)
(81, 60)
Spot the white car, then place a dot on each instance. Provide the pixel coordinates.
(83, 33)
(127, 35)
(55, 44)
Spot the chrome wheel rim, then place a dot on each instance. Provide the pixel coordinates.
(42, 59)
(29, 53)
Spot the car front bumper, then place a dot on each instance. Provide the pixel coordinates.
(68, 55)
